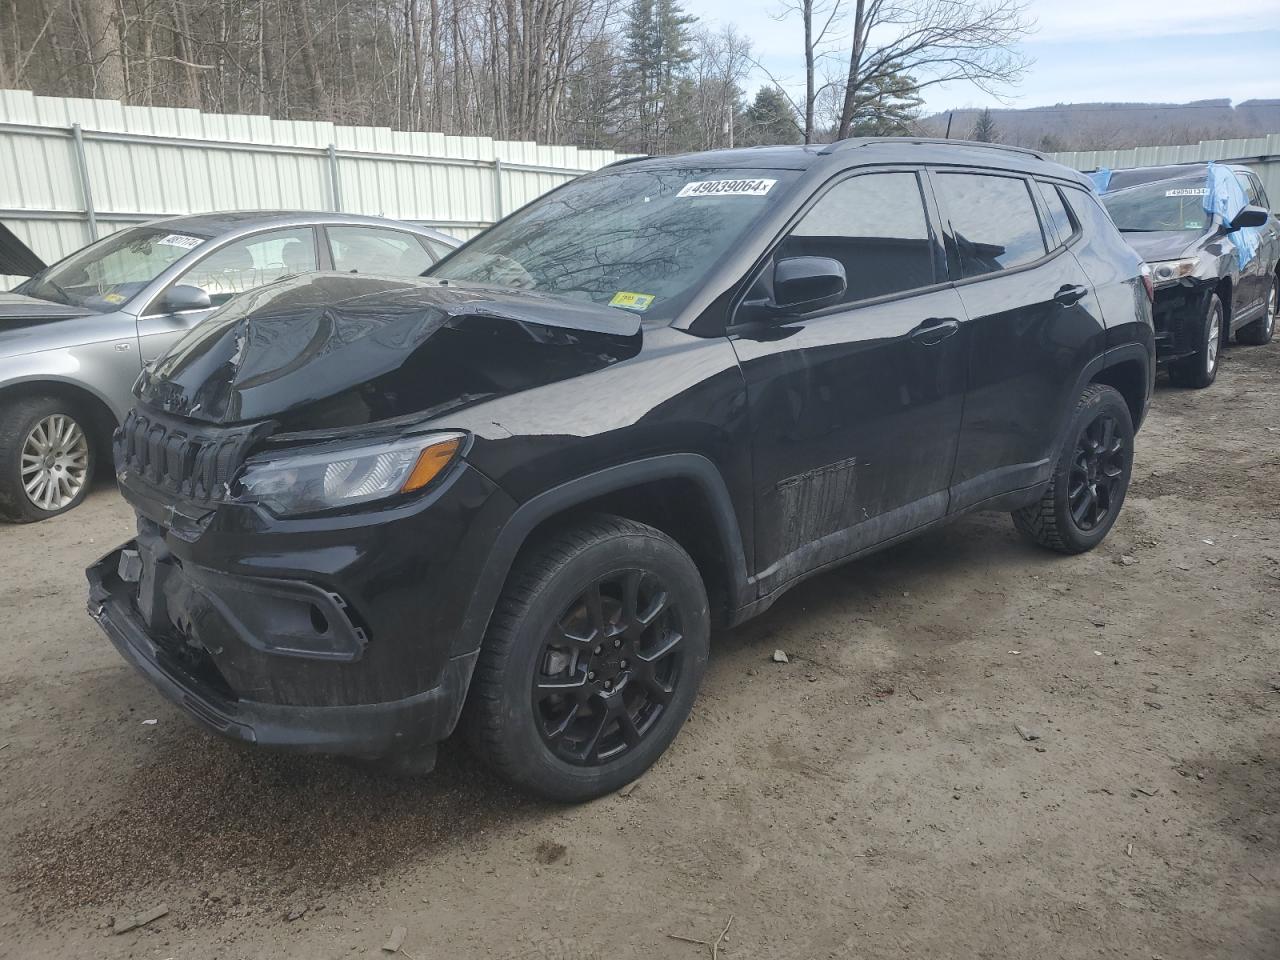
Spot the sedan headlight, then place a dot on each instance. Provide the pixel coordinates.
(1170, 271)
(324, 478)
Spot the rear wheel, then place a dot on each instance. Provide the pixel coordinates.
(592, 660)
(1263, 329)
(1090, 478)
(1201, 368)
(46, 459)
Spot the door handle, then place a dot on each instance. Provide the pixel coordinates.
(934, 330)
(1071, 294)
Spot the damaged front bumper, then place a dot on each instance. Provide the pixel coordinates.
(1178, 314)
(188, 676)
(339, 633)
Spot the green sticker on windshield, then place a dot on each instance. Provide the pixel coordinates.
(632, 301)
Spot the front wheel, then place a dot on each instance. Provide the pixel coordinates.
(46, 459)
(1090, 478)
(1263, 329)
(592, 660)
(1201, 368)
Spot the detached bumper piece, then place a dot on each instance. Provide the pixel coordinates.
(201, 637)
(1178, 314)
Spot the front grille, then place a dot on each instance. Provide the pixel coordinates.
(194, 461)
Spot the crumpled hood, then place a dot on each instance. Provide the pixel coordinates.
(17, 310)
(1161, 244)
(335, 350)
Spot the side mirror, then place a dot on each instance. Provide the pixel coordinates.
(1250, 217)
(801, 284)
(182, 297)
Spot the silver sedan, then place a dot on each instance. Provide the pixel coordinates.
(75, 336)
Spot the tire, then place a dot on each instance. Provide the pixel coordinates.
(60, 429)
(546, 661)
(1201, 368)
(1263, 329)
(1093, 451)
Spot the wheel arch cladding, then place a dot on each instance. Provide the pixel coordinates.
(102, 421)
(1129, 378)
(683, 495)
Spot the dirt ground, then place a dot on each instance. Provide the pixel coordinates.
(872, 798)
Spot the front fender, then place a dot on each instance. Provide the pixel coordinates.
(673, 466)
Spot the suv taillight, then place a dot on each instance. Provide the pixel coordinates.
(1147, 282)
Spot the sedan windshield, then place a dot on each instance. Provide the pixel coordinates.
(1162, 205)
(640, 239)
(107, 274)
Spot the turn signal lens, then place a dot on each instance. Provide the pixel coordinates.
(431, 461)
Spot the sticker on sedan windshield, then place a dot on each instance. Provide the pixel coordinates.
(180, 240)
(1188, 192)
(727, 188)
(113, 298)
(632, 301)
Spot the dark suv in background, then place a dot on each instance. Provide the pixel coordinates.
(523, 490)
(1213, 246)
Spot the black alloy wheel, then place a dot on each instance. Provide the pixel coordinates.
(592, 660)
(1090, 478)
(608, 668)
(1097, 472)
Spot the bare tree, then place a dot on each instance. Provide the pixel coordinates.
(102, 39)
(933, 41)
(820, 19)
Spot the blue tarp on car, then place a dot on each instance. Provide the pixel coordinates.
(1225, 199)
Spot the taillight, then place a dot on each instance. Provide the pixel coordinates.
(1147, 284)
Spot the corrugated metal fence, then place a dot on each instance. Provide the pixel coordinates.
(1260, 153)
(72, 170)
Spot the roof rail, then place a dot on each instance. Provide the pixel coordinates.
(853, 142)
(618, 163)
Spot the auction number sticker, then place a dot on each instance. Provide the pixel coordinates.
(180, 240)
(1188, 192)
(727, 188)
(632, 301)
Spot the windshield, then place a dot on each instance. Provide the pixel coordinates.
(1162, 205)
(107, 274)
(638, 239)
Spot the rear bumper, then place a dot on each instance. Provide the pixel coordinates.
(360, 730)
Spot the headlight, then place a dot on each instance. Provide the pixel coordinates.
(1168, 271)
(345, 475)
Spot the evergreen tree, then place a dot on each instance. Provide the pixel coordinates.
(657, 48)
(770, 119)
(890, 109)
(984, 129)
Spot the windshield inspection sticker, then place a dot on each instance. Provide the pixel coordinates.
(727, 188)
(632, 301)
(181, 240)
(1188, 192)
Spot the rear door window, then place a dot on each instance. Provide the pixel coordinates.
(993, 221)
(439, 250)
(875, 225)
(375, 250)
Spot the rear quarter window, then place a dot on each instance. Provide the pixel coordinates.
(1059, 220)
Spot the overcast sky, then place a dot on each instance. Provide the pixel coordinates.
(1084, 50)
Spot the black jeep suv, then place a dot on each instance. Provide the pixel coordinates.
(521, 492)
(1213, 247)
